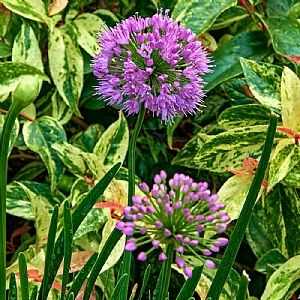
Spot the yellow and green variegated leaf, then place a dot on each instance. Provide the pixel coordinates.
(251, 44)
(79, 187)
(286, 155)
(264, 82)
(281, 217)
(228, 149)
(244, 115)
(11, 73)
(292, 178)
(273, 7)
(13, 134)
(39, 137)
(187, 154)
(285, 34)
(284, 282)
(290, 99)
(18, 202)
(26, 48)
(88, 26)
(5, 51)
(233, 193)
(66, 65)
(30, 9)
(60, 110)
(273, 257)
(30, 171)
(71, 157)
(95, 164)
(256, 232)
(199, 15)
(233, 14)
(41, 213)
(113, 143)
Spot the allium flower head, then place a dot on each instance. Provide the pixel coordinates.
(175, 214)
(152, 62)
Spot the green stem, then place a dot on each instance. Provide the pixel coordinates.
(165, 275)
(243, 220)
(4, 144)
(131, 190)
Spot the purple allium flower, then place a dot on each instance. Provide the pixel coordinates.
(184, 227)
(152, 62)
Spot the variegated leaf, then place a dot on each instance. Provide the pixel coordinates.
(228, 149)
(13, 134)
(187, 154)
(113, 143)
(11, 73)
(31, 9)
(199, 15)
(290, 99)
(26, 48)
(244, 115)
(264, 82)
(88, 26)
(281, 218)
(71, 157)
(253, 44)
(30, 171)
(286, 155)
(66, 65)
(293, 177)
(284, 282)
(284, 33)
(39, 137)
(233, 193)
(60, 110)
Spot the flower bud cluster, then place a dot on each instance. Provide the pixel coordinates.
(178, 213)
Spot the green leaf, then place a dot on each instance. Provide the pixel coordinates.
(39, 137)
(87, 139)
(264, 82)
(284, 282)
(113, 143)
(71, 157)
(233, 14)
(273, 257)
(14, 133)
(233, 193)
(244, 115)
(66, 65)
(30, 171)
(290, 98)
(285, 34)
(26, 48)
(187, 154)
(252, 45)
(31, 9)
(11, 73)
(285, 157)
(60, 110)
(5, 51)
(23, 277)
(199, 15)
(256, 233)
(281, 207)
(12, 290)
(88, 25)
(116, 293)
(228, 149)
(292, 178)
(274, 7)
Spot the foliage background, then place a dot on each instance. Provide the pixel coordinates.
(67, 139)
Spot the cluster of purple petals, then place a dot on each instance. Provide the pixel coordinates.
(175, 213)
(152, 62)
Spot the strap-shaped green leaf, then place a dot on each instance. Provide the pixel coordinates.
(23, 277)
(145, 280)
(12, 290)
(78, 215)
(190, 285)
(116, 293)
(68, 239)
(34, 293)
